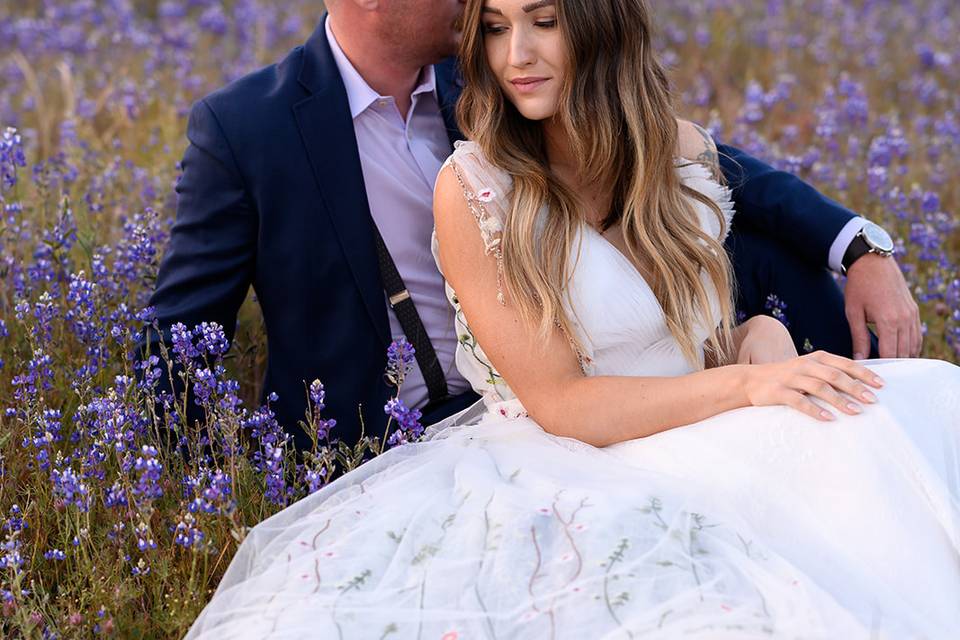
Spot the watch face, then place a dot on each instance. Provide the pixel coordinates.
(877, 238)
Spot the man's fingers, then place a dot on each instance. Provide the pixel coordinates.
(888, 340)
(859, 333)
(917, 339)
(904, 342)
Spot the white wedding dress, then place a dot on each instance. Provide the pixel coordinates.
(755, 523)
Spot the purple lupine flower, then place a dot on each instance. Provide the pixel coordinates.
(211, 339)
(150, 471)
(54, 554)
(11, 157)
(315, 479)
(183, 343)
(777, 308)
(145, 541)
(151, 373)
(39, 376)
(277, 490)
(68, 486)
(186, 533)
(205, 387)
(81, 314)
(115, 496)
(752, 111)
(930, 202)
(215, 489)
(400, 357)
(407, 420)
(15, 522)
(228, 391)
(317, 396)
(11, 558)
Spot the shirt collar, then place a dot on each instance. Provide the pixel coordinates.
(359, 94)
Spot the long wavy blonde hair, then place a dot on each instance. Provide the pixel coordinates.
(616, 108)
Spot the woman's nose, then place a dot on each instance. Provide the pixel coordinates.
(521, 50)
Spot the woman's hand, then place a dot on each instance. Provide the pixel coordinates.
(763, 340)
(833, 379)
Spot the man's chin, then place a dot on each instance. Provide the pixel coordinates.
(454, 47)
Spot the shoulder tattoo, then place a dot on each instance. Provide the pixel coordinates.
(709, 157)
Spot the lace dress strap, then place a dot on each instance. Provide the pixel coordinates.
(487, 192)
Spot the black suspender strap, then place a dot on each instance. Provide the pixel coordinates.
(409, 319)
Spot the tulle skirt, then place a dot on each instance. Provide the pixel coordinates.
(756, 523)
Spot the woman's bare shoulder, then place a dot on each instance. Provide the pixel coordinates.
(695, 143)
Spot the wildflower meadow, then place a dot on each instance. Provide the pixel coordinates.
(117, 518)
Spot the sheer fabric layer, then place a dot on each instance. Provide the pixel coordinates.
(755, 523)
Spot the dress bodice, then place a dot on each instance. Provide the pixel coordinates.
(615, 313)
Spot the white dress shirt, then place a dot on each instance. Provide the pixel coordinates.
(401, 160)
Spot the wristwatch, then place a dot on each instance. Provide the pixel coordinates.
(871, 239)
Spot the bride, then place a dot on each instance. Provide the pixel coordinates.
(641, 467)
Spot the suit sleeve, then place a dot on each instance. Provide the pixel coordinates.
(209, 263)
(782, 206)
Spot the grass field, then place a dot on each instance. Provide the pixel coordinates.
(103, 533)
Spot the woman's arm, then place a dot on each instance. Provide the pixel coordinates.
(602, 410)
(759, 340)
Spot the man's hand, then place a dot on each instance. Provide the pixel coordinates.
(763, 340)
(877, 292)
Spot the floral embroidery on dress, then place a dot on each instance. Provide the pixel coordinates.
(490, 226)
(486, 195)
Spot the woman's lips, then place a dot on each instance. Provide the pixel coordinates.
(528, 85)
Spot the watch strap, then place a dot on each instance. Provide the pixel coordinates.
(857, 248)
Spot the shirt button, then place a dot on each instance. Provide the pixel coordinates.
(383, 103)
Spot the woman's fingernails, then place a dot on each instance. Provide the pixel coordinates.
(858, 356)
(869, 397)
(878, 381)
(826, 415)
(854, 407)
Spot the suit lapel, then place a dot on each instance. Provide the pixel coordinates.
(449, 87)
(326, 130)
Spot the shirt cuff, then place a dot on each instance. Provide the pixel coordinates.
(842, 242)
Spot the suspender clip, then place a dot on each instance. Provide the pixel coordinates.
(397, 298)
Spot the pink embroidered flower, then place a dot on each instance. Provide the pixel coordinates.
(486, 195)
(450, 635)
(725, 607)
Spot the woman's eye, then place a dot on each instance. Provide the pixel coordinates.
(547, 24)
(493, 29)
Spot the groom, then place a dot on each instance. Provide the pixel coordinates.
(294, 171)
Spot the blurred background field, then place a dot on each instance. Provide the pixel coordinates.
(104, 537)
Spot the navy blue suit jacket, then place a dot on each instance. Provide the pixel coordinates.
(272, 195)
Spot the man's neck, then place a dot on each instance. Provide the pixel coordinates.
(386, 73)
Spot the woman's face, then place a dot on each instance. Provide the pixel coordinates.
(526, 53)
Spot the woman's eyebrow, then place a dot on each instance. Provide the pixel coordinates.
(533, 6)
(527, 8)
